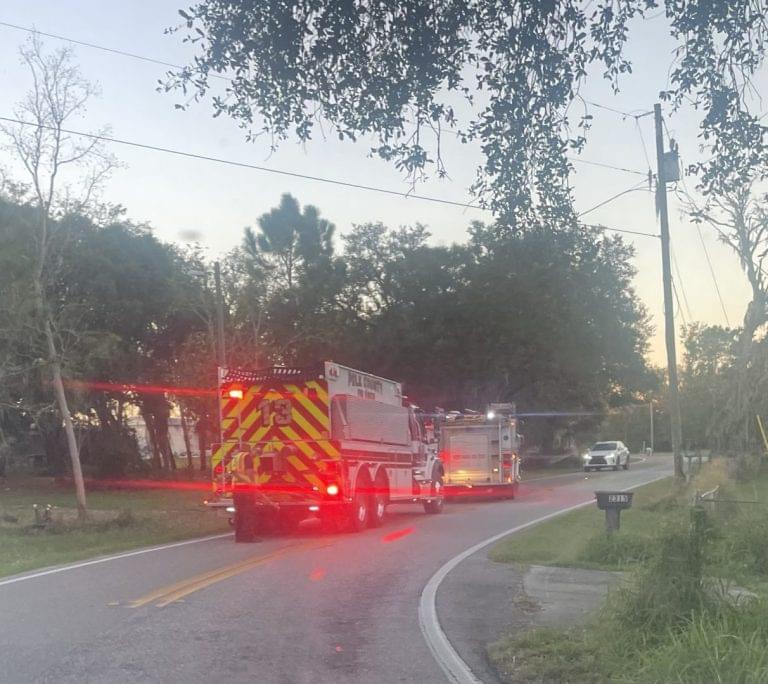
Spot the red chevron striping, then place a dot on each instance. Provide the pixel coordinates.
(228, 405)
(235, 425)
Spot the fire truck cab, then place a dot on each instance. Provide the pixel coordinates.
(328, 441)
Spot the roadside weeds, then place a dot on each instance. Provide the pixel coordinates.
(677, 618)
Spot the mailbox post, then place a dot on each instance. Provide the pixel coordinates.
(613, 503)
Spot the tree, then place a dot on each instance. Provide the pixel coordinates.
(506, 74)
(46, 151)
(290, 264)
(740, 219)
(289, 241)
(546, 319)
(709, 366)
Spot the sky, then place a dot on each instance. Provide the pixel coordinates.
(183, 198)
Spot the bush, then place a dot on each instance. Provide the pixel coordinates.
(745, 467)
(618, 549)
(744, 544)
(729, 644)
(669, 588)
(109, 453)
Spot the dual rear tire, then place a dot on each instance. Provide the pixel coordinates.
(436, 502)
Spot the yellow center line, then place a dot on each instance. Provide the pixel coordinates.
(178, 590)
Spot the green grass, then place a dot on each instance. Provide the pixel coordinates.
(675, 620)
(577, 539)
(118, 520)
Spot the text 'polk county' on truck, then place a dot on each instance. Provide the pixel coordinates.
(330, 442)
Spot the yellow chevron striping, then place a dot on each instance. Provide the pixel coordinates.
(321, 393)
(291, 434)
(310, 406)
(305, 471)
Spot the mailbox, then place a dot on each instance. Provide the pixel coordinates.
(613, 503)
(619, 500)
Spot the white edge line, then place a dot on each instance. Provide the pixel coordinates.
(451, 663)
(106, 559)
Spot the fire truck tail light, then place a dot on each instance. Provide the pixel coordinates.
(332, 489)
(219, 469)
(235, 394)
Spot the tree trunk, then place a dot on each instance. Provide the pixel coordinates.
(69, 429)
(202, 443)
(149, 422)
(164, 442)
(185, 432)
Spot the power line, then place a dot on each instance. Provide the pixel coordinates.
(706, 251)
(622, 230)
(255, 167)
(712, 273)
(608, 166)
(627, 115)
(103, 48)
(155, 148)
(229, 162)
(152, 60)
(642, 141)
(635, 187)
(679, 308)
(682, 285)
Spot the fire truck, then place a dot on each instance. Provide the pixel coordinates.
(480, 453)
(329, 441)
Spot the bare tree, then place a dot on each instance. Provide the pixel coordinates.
(65, 172)
(740, 219)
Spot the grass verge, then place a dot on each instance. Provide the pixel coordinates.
(678, 619)
(118, 520)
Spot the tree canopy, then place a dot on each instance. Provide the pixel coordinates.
(544, 318)
(506, 74)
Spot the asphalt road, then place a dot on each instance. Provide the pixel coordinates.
(301, 608)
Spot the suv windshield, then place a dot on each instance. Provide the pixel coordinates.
(604, 446)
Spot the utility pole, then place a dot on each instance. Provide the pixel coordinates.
(220, 348)
(221, 351)
(650, 408)
(669, 314)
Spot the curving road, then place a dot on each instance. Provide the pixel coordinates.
(302, 608)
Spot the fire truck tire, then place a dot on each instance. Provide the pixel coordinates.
(436, 503)
(378, 503)
(360, 510)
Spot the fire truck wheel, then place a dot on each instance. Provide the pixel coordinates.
(435, 504)
(378, 504)
(361, 506)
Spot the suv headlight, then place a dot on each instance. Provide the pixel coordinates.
(586, 456)
(610, 457)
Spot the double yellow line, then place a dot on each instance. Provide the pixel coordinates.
(175, 592)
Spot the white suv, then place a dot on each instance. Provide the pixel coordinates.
(607, 455)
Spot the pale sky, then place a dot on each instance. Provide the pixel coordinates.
(178, 196)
